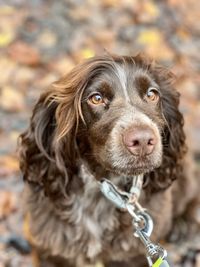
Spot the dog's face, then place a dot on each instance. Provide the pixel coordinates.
(118, 113)
(122, 111)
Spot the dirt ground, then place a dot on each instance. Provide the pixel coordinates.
(40, 40)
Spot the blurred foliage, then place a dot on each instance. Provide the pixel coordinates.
(40, 40)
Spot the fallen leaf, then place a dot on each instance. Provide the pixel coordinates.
(146, 11)
(87, 53)
(183, 34)
(151, 8)
(155, 45)
(7, 67)
(47, 39)
(160, 51)
(14, 136)
(47, 80)
(63, 65)
(175, 2)
(24, 53)
(11, 99)
(23, 76)
(7, 10)
(6, 38)
(7, 203)
(152, 37)
(9, 162)
(81, 12)
(105, 38)
(110, 3)
(7, 25)
(97, 264)
(26, 228)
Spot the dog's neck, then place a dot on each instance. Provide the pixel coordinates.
(88, 174)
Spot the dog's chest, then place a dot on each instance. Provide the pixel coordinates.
(98, 219)
(86, 224)
(101, 225)
(104, 230)
(106, 226)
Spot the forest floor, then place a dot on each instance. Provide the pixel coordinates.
(42, 40)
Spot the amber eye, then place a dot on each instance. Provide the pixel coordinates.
(96, 99)
(152, 95)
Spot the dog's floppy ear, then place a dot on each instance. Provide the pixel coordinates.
(47, 149)
(174, 147)
(41, 157)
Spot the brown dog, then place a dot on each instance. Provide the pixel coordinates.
(112, 117)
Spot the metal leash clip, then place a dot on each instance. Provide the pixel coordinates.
(156, 255)
(121, 198)
(142, 221)
(111, 192)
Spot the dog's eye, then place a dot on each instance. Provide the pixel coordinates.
(152, 95)
(96, 99)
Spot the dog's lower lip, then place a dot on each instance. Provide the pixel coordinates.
(132, 171)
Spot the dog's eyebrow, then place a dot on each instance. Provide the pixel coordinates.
(102, 86)
(106, 89)
(142, 82)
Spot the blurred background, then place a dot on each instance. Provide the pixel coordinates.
(40, 40)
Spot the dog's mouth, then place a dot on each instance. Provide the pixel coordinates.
(121, 163)
(133, 171)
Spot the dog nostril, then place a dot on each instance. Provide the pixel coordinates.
(136, 143)
(151, 142)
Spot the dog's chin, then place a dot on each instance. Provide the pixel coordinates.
(132, 170)
(128, 167)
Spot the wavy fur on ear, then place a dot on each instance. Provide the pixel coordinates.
(47, 148)
(41, 159)
(174, 147)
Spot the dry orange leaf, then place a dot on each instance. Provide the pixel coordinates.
(151, 8)
(11, 99)
(7, 203)
(24, 53)
(183, 34)
(110, 3)
(147, 11)
(9, 162)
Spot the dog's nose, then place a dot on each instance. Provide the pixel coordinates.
(140, 140)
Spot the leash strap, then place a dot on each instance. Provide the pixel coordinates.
(160, 263)
(142, 221)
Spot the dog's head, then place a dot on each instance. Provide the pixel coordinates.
(118, 113)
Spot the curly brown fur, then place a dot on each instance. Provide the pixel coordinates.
(71, 143)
